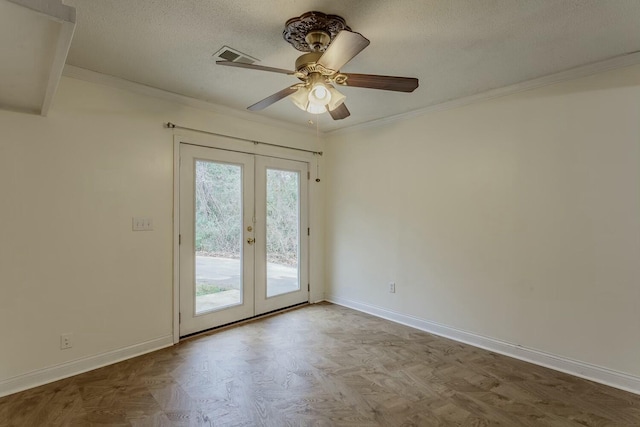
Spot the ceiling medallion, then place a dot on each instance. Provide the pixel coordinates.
(313, 31)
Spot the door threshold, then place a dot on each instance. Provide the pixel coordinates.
(243, 321)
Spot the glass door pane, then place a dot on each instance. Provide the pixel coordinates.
(282, 242)
(216, 246)
(283, 231)
(218, 235)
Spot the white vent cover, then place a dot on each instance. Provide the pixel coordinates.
(227, 53)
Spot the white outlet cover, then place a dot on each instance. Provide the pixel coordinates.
(66, 341)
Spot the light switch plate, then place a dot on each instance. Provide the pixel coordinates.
(142, 223)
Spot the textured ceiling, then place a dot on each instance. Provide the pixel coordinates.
(456, 48)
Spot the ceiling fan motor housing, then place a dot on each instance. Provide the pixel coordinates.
(308, 70)
(306, 63)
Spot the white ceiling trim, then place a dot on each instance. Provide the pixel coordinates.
(57, 65)
(50, 9)
(118, 83)
(65, 16)
(574, 73)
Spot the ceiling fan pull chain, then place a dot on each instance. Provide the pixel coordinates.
(318, 143)
(317, 169)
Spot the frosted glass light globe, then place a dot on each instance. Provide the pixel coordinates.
(319, 95)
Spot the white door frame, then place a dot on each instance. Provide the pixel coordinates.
(223, 143)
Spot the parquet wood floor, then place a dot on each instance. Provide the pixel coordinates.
(321, 365)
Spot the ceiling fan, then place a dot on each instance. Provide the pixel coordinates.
(329, 44)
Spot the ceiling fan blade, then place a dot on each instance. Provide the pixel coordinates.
(340, 112)
(342, 49)
(261, 105)
(372, 81)
(254, 67)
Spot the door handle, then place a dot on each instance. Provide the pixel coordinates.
(251, 240)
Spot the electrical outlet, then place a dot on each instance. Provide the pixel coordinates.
(392, 287)
(66, 341)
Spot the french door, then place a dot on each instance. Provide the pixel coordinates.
(243, 236)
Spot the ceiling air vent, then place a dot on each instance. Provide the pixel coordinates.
(227, 53)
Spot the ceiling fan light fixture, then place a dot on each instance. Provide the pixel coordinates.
(337, 98)
(319, 94)
(300, 98)
(316, 108)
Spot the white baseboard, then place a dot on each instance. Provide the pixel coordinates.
(559, 363)
(74, 367)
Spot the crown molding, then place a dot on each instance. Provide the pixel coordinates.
(51, 39)
(626, 60)
(141, 89)
(52, 9)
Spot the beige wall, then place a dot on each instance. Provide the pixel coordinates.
(516, 219)
(70, 184)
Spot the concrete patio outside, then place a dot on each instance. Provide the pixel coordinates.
(226, 273)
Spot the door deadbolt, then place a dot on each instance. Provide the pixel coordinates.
(249, 228)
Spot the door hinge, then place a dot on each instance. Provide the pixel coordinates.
(179, 317)
(308, 174)
(308, 231)
(308, 287)
(179, 239)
